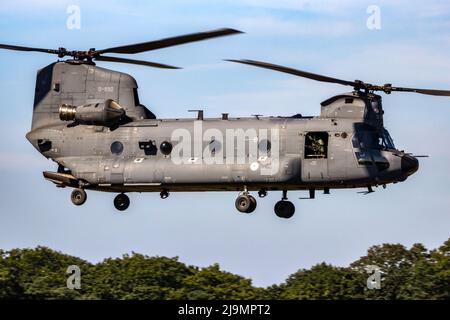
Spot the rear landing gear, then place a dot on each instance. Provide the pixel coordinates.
(121, 202)
(284, 208)
(78, 197)
(245, 203)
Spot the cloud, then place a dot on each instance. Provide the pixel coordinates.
(32, 5)
(434, 9)
(427, 9)
(270, 26)
(287, 97)
(322, 6)
(405, 63)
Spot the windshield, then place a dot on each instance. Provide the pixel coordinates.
(367, 137)
(387, 141)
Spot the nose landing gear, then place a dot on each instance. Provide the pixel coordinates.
(78, 197)
(245, 203)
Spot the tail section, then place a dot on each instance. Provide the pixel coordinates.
(77, 84)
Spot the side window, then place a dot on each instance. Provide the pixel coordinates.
(316, 145)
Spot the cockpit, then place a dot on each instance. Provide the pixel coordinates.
(368, 137)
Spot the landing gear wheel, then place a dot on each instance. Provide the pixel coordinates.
(284, 209)
(252, 204)
(245, 203)
(121, 202)
(78, 197)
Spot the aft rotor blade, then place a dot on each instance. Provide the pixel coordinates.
(139, 62)
(432, 92)
(20, 48)
(169, 42)
(295, 72)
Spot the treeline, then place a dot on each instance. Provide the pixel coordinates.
(40, 273)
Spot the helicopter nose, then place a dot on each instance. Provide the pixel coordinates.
(409, 164)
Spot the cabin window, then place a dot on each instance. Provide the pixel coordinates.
(116, 147)
(264, 146)
(215, 146)
(316, 145)
(165, 147)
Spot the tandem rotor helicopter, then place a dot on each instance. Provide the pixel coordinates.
(89, 120)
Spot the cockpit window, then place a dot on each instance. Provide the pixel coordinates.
(367, 137)
(375, 106)
(388, 143)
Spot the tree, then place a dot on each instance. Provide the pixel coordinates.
(440, 260)
(38, 273)
(213, 284)
(322, 281)
(136, 277)
(409, 274)
(394, 262)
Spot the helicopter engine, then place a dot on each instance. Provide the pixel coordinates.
(107, 113)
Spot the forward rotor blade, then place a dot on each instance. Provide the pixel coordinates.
(295, 72)
(132, 61)
(168, 42)
(432, 92)
(20, 48)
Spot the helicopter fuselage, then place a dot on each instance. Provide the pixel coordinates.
(90, 122)
(130, 157)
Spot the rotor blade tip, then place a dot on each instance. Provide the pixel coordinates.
(232, 60)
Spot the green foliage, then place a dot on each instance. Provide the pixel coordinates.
(213, 284)
(136, 277)
(394, 261)
(40, 273)
(36, 274)
(409, 274)
(323, 281)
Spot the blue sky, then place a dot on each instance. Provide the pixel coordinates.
(329, 37)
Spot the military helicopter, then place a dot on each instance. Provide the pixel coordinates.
(89, 120)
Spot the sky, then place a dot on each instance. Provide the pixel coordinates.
(330, 37)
